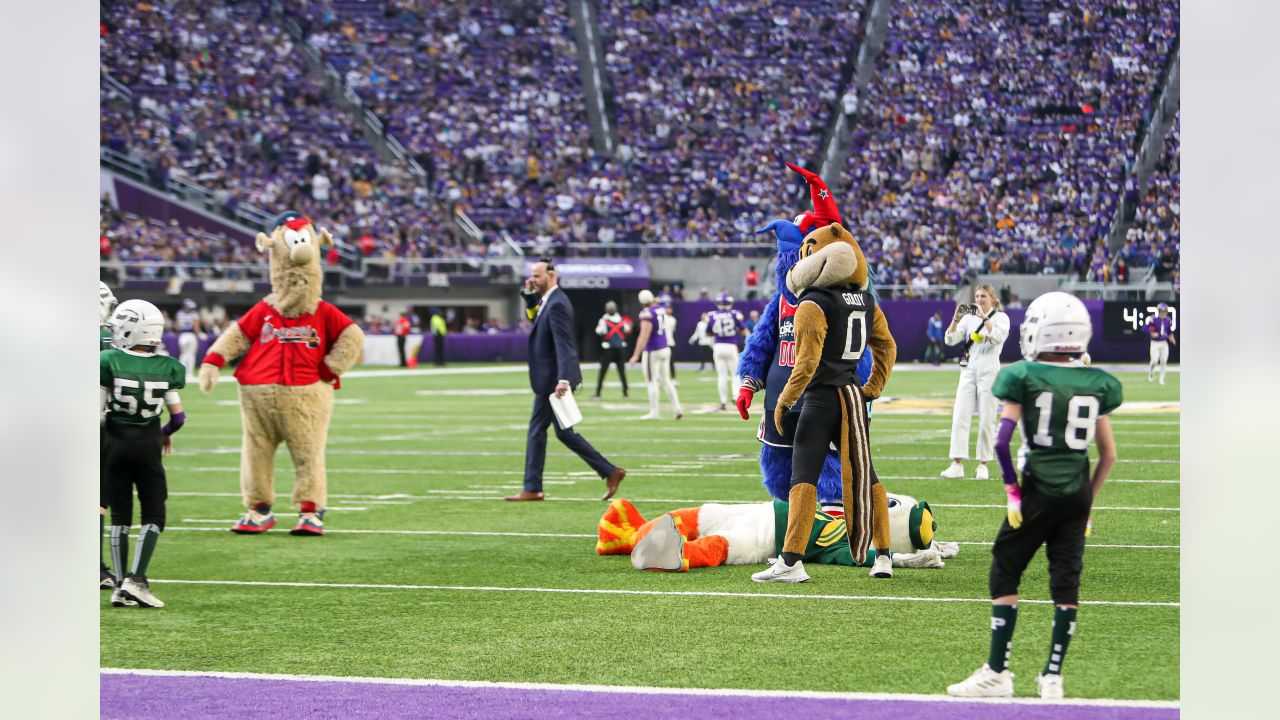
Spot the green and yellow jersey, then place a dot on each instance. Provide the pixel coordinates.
(828, 541)
(136, 384)
(1061, 405)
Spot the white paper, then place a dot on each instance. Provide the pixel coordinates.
(566, 410)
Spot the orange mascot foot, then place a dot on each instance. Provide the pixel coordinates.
(618, 528)
(708, 551)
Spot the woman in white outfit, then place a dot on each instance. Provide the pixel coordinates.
(984, 333)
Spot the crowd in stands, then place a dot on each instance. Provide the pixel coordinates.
(158, 250)
(994, 137)
(996, 134)
(1154, 237)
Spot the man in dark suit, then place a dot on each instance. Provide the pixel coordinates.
(553, 367)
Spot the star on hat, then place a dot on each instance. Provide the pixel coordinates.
(824, 211)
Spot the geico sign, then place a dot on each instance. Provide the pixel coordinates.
(598, 283)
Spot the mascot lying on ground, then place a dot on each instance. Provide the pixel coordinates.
(713, 534)
(769, 355)
(295, 346)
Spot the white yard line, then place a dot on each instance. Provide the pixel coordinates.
(658, 593)
(692, 471)
(574, 536)
(520, 454)
(687, 501)
(640, 689)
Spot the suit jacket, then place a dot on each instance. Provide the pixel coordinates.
(552, 355)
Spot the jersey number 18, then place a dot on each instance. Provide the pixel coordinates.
(1082, 420)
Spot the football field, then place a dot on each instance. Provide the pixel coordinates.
(427, 574)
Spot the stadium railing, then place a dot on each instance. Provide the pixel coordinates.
(184, 190)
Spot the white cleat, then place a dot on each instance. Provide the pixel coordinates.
(661, 549)
(953, 471)
(137, 589)
(947, 550)
(779, 571)
(1161, 381)
(1050, 687)
(982, 473)
(650, 416)
(118, 599)
(883, 567)
(984, 682)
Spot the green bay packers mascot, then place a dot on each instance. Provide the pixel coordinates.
(294, 346)
(713, 534)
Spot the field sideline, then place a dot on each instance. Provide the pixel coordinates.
(427, 574)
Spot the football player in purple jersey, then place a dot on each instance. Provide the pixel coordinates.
(724, 326)
(1160, 329)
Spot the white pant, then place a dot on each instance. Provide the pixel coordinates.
(974, 392)
(188, 343)
(657, 370)
(725, 356)
(1159, 358)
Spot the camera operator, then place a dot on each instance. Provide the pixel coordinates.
(982, 328)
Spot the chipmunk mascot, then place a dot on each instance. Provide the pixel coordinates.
(294, 346)
(769, 355)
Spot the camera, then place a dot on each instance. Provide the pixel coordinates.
(969, 309)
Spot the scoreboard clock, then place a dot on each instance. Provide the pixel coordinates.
(1125, 319)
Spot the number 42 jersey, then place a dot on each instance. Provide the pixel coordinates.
(1061, 405)
(136, 384)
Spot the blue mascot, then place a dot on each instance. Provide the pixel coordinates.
(769, 355)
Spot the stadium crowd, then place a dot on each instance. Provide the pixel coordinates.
(967, 157)
(971, 158)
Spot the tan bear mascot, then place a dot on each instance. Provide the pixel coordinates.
(836, 321)
(295, 346)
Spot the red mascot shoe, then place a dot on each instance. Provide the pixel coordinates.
(257, 520)
(310, 521)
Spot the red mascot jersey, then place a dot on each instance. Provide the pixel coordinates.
(289, 351)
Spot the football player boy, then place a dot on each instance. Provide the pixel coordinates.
(136, 385)
(1063, 407)
(106, 303)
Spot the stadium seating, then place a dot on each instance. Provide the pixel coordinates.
(993, 137)
(996, 133)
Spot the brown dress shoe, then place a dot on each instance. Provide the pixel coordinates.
(612, 482)
(524, 496)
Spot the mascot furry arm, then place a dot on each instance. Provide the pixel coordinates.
(296, 282)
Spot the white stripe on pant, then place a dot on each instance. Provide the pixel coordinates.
(657, 369)
(725, 356)
(974, 393)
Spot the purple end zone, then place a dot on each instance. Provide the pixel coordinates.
(146, 697)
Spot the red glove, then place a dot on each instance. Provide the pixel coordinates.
(744, 401)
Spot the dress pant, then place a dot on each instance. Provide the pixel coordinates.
(535, 454)
(613, 356)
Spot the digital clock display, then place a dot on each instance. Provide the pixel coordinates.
(1127, 319)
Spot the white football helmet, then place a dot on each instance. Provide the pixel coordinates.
(136, 322)
(1055, 322)
(106, 302)
(645, 298)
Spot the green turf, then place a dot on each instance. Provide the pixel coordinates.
(408, 453)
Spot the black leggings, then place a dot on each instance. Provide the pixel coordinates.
(817, 429)
(613, 356)
(132, 459)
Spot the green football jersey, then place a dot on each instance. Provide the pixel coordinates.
(828, 541)
(136, 384)
(1060, 410)
(104, 338)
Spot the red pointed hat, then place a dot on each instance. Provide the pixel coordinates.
(824, 211)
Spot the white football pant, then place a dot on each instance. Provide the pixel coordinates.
(657, 370)
(1159, 358)
(725, 356)
(974, 393)
(188, 343)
